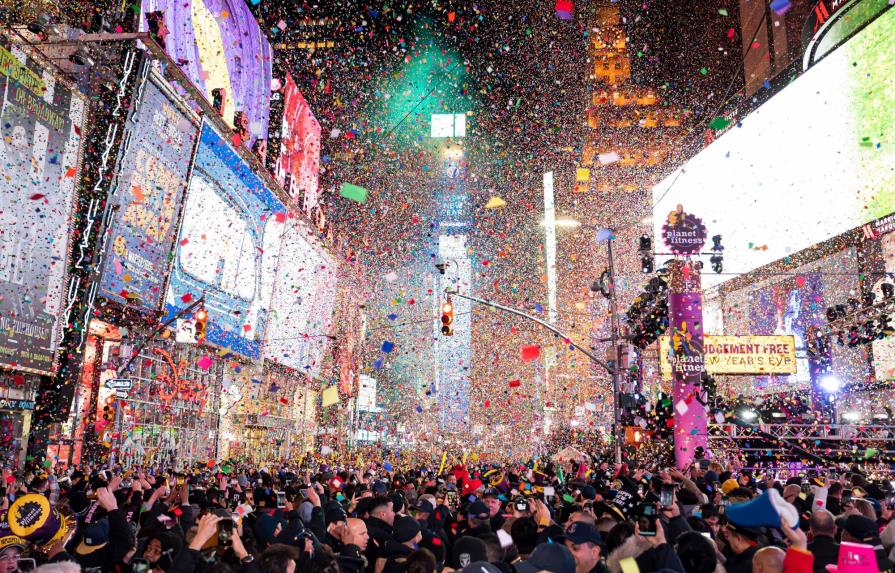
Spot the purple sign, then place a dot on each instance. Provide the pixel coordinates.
(683, 233)
(686, 356)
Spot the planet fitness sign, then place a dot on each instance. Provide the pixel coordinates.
(683, 233)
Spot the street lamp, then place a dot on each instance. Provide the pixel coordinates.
(607, 235)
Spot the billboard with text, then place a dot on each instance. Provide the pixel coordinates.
(298, 163)
(152, 178)
(41, 121)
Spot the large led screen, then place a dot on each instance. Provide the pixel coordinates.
(793, 304)
(303, 299)
(298, 164)
(152, 178)
(227, 249)
(816, 160)
(41, 121)
(220, 46)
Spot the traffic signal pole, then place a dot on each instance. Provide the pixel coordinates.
(613, 371)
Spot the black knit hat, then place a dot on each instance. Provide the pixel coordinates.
(405, 528)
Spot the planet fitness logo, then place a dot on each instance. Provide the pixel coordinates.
(683, 233)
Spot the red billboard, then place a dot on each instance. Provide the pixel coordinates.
(298, 164)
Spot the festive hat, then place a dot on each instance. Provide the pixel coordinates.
(855, 558)
(729, 485)
(32, 518)
(764, 511)
(7, 539)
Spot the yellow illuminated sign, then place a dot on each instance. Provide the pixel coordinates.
(740, 355)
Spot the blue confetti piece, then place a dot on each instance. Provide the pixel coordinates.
(388, 346)
(378, 364)
(780, 7)
(392, 316)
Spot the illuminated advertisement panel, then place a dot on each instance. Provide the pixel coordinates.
(302, 304)
(811, 163)
(152, 178)
(220, 46)
(227, 250)
(298, 164)
(41, 122)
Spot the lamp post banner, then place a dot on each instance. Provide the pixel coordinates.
(686, 356)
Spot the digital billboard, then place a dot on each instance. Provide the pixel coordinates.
(220, 46)
(227, 248)
(41, 121)
(298, 163)
(302, 303)
(815, 161)
(792, 304)
(152, 177)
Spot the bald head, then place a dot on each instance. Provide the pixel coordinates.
(822, 522)
(356, 533)
(768, 560)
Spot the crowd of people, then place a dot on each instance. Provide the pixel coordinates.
(571, 517)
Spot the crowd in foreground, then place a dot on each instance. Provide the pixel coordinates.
(570, 517)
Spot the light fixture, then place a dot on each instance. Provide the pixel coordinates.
(830, 384)
(748, 414)
(42, 26)
(778, 415)
(881, 416)
(82, 57)
(851, 416)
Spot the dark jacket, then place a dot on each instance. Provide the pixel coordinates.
(351, 560)
(741, 563)
(660, 558)
(380, 534)
(120, 542)
(825, 551)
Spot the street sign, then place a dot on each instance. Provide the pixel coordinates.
(120, 384)
(186, 331)
(121, 394)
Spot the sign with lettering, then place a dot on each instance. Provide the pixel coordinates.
(150, 182)
(759, 355)
(120, 384)
(13, 404)
(683, 233)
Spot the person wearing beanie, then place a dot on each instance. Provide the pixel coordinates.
(406, 537)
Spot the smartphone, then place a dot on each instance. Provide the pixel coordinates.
(139, 566)
(549, 493)
(281, 500)
(647, 520)
(27, 564)
(180, 480)
(225, 529)
(666, 495)
(303, 492)
(452, 499)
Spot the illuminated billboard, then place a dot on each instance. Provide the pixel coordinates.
(813, 162)
(227, 250)
(304, 295)
(220, 46)
(41, 121)
(739, 355)
(152, 177)
(298, 163)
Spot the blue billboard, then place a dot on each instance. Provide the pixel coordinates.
(228, 246)
(152, 178)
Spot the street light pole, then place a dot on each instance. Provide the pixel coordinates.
(612, 370)
(613, 326)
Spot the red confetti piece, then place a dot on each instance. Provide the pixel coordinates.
(281, 217)
(37, 196)
(71, 172)
(515, 383)
(530, 352)
(187, 297)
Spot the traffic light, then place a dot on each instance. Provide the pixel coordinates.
(109, 410)
(201, 318)
(646, 254)
(447, 319)
(717, 258)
